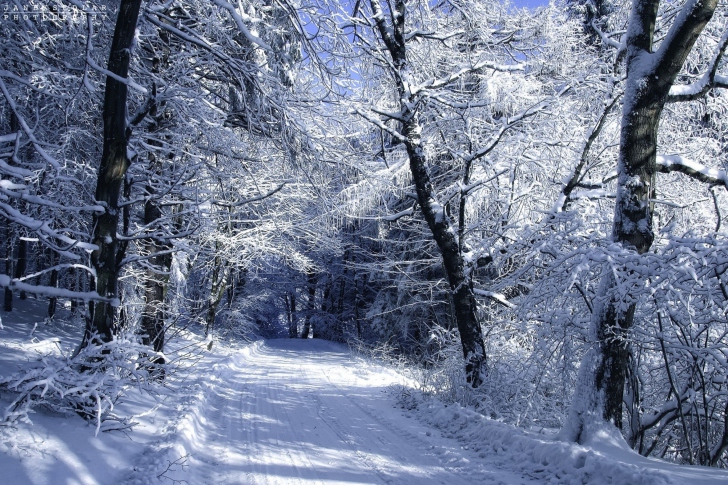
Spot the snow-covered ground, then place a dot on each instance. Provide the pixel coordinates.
(293, 412)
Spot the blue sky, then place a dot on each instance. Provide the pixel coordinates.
(529, 3)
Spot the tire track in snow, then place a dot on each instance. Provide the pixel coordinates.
(300, 412)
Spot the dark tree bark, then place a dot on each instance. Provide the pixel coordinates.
(311, 280)
(157, 276)
(52, 302)
(112, 170)
(21, 263)
(291, 314)
(220, 276)
(650, 75)
(8, 293)
(463, 299)
(75, 277)
(8, 233)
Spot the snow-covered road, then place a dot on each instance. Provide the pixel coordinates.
(305, 412)
(300, 412)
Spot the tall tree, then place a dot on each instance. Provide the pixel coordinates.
(390, 28)
(651, 72)
(449, 108)
(112, 170)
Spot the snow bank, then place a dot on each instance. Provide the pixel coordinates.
(167, 458)
(537, 456)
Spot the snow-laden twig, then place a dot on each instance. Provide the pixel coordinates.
(88, 383)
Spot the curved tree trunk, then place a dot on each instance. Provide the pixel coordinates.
(443, 233)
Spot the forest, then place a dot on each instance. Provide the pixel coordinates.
(523, 206)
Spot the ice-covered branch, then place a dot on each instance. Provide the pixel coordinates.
(576, 179)
(467, 189)
(680, 38)
(44, 231)
(432, 35)
(606, 38)
(251, 199)
(512, 122)
(124, 80)
(16, 191)
(399, 215)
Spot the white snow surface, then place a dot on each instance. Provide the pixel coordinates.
(296, 412)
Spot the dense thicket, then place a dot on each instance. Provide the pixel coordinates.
(442, 182)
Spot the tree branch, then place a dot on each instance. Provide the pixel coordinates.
(676, 163)
(708, 81)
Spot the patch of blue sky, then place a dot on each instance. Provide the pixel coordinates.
(529, 3)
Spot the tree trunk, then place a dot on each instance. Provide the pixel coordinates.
(463, 299)
(311, 279)
(76, 279)
(112, 170)
(21, 263)
(600, 386)
(8, 233)
(358, 301)
(291, 311)
(8, 293)
(52, 302)
(220, 274)
(155, 286)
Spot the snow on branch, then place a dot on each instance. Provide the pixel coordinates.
(386, 32)
(466, 189)
(26, 129)
(122, 80)
(87, 383)
(138, 259)
(45, 232)
(53, 292)
(16, 191)
(14, 171)
(399, 215)
(593, 194)
(710, 79)
(379, 124)
(387, 114)
(237, 15)
(444, 81)
(676, 163)
(606, 38)
(432, 35)
(498, 297)
(8, 138)
(512, 122)
(577, 176)
(192, 38)
(251, 199)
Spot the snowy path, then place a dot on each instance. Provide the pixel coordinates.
(301, 412)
